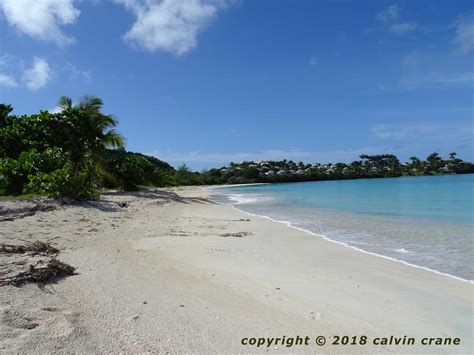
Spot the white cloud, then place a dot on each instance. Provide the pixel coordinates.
(56, 109)
(7, 81)
(388, 14)
(41, 19)
(390, 17)
(464, 38)
(38, 75)
(170, 25)
(424, 130)
(403, 27)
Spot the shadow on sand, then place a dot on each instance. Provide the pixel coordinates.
(160, 195)
(26, 208)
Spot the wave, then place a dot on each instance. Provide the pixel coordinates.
(402, 251)
(242, 199)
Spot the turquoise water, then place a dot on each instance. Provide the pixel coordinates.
(427, 221)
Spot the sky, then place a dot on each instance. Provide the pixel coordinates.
(209, 82)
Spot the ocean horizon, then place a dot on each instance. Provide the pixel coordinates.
(425, 221)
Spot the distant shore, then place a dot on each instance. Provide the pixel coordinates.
(236, 185)
(171, 271)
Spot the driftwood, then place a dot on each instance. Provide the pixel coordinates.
(32, 262)
(32, 248)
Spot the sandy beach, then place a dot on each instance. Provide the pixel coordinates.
(171, 272)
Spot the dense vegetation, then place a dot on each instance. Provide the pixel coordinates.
(77, 151)
(369, 166)
(129, 171)
(68, 153)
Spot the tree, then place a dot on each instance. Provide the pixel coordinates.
(356, 167)
(94, 131)
(131, 170)
(58, 154)
(434, 162)
(414, 160)
(184, 176)
(452, 155)
(4, 112)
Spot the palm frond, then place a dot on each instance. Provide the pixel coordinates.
(113, 139)
(65, 102)
(90, 102)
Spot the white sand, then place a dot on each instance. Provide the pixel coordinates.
(158, 276)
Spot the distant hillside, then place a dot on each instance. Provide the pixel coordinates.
(369, 166)
(128, 170)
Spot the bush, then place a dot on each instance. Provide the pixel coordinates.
(62, 182)
(11, 178)
(14, 173)
(46, 173)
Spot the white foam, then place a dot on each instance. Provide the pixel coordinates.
(358, 249)
(242, 199)
(403, 251)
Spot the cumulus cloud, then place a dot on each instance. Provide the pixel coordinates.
(464, 38)
(56, 109)
(7, 81)
(41, 19)
(170, 25)
(38, 75)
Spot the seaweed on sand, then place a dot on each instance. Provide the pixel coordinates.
(34, 262)
(31, 248)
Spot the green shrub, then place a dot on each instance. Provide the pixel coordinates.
(14, 173)
(11, 178)
(45, 173)
(62, 182)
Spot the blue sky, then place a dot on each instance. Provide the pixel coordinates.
(207, 82)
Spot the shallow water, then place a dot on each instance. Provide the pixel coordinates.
(426, 221)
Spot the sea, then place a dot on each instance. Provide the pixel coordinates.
(423, 221)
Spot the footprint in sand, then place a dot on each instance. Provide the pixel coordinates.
(18, 320)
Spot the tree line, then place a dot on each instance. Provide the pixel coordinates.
(368, 166)
(77, 151)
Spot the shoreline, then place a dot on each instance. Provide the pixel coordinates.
(236, 185)
(174, 272)
(290, 225)
(244, 199)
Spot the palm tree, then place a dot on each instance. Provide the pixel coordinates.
(64, 103)
(94, 131)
